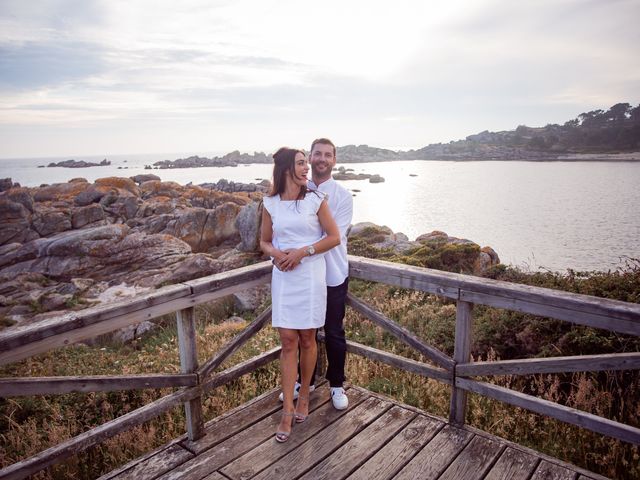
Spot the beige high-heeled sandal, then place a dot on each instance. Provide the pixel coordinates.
(299, 417)
(281, 436)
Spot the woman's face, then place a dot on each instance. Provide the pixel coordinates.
(300, 169)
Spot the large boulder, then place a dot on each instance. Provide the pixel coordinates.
(22, 196)
(102, 253)
(248, 225)
(50, 221)
(15, 222)
(119, 183)
(145, 177)
(88, 215)
(59, 191)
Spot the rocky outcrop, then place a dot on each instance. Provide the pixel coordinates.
(79, 164)
(432, 250)
(232, 159)
(141, 234)
(348, 174)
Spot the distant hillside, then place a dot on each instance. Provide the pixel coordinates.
(616, 130)
(593, 135)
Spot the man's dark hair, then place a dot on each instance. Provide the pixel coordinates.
(324, 141)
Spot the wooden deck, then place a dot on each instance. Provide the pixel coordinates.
(376, 438)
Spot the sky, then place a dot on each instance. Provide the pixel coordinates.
(197, 76)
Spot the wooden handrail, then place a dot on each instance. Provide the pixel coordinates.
(587, 310)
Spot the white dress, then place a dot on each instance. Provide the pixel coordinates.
(299, 296)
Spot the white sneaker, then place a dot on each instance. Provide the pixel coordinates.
(296, 391)
(339, 398)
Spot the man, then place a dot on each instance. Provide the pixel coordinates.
(323, 160)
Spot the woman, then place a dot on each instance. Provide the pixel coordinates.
(293, 222)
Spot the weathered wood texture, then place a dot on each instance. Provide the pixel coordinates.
(186, 327)
(349, 456)
(162, 462)
(395, 454)
(401, 333)
(513, 465)
(231, 347)
(578, 363)
(436, 456)
(256, 460)
(597, 312)
(23, 386)
(462, 354)
(582, 419)
(298, 461)
(372, 439)
(550, 471)
(398, 361)
(474, 461)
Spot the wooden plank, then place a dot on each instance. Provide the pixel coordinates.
(577, 363)
(551, 471)
(398, 361)
(259, 458)
(582, 419)
(242, 369)
(23, 386)
(395, 454)
(186, 327)
(237, 444)
(475, 460)
(316, 449)
(513, 465)
(352, 454)
(575, 314)
(143, 414)
(214, 476)
(401, 333)
(160, 463)
(462, 354)
(29, 349)
(239, 276)
(440, 283)
(381, 271)
(14, 337)
(436, 456)
(232, 346)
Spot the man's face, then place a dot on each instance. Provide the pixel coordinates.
(322, 160)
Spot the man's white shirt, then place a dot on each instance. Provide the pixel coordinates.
(341, 207)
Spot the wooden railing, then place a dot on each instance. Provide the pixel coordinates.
(195, 381)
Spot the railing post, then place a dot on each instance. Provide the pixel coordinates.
(462, 354)
(186, 322)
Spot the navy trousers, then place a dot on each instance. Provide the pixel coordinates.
(335, 342)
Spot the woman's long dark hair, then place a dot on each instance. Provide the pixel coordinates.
(284, 160)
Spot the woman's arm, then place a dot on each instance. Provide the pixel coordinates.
(332, 239)
(266, 238)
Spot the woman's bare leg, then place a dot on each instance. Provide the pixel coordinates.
(308, 357)
(288, 373)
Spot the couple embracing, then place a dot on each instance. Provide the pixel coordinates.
(304, 227)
